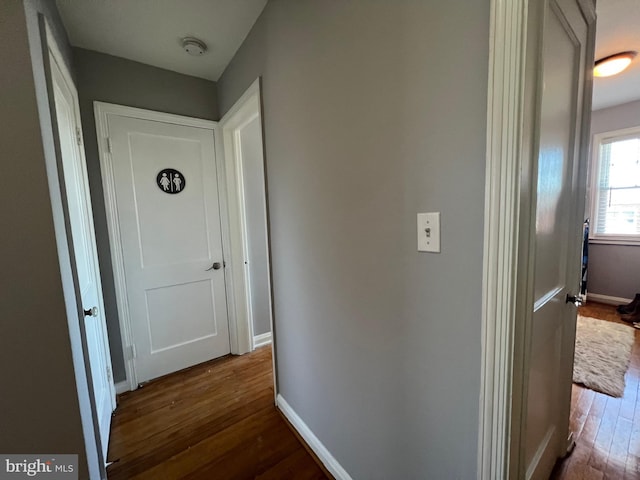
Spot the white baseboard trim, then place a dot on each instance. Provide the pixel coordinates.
(314, 443)
(262, 339)
(122, 387)
(607, 299)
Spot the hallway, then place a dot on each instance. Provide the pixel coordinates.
(214, 420)
(607, 429)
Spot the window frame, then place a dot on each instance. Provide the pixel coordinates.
(597, 140)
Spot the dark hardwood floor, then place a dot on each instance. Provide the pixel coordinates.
(606, 429)
(216, 420)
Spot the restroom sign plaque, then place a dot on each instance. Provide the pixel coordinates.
(171, 181)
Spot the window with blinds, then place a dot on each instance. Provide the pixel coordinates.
(616, 202)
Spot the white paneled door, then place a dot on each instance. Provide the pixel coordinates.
(169, 220)
(558, 227)
(84, 247)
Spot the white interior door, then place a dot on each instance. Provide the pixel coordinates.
(169, 219)
(84, 246)
(557, 240)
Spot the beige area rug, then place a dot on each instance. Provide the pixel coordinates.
(603, 352)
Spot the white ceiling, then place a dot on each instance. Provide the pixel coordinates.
(618, 30)
(150, 31)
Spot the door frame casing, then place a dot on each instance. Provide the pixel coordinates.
(510, 186)
(61, 80)
(246, 109)
(102, 111)
(96, 463)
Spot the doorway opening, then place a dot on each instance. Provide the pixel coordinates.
(535, 189)
(187, 221)
(161, 180)
(173, 422)
(604, 403)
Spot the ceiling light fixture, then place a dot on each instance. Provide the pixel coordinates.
(193, 46)
(613, 64)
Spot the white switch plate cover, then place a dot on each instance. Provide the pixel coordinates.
(429, 232)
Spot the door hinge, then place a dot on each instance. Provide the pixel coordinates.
(79, 136)
(109, 145)
(131, 351)
(109, 374)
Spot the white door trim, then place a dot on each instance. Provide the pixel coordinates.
(509, 199)
(102, 111)
(245, 110)
(87, 405)
(241, 330)
(502, 196)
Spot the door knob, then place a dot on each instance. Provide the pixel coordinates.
(577, 300)
(215, 266)
(92, 312)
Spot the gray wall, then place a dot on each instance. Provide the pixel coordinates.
(375, 111)
(254, 200)
(112, 79)
(40, 407)
(613, 269)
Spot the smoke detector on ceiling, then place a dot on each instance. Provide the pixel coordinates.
(193, 46)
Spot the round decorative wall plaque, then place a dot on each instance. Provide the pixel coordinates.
(171, 181)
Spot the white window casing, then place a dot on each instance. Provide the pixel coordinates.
(615, 187)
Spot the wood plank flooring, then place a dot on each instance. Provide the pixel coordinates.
(606, 429)
(216, 420)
